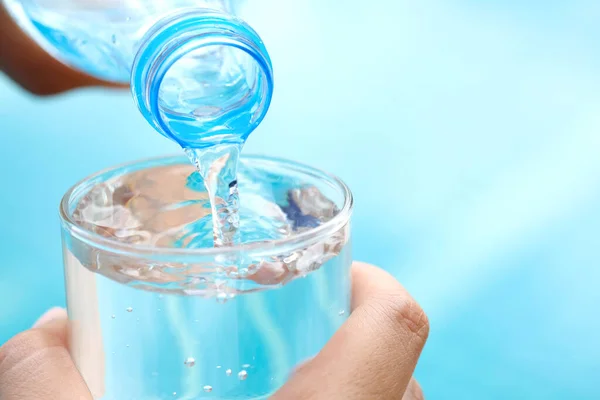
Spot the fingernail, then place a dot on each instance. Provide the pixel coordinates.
(52, 314)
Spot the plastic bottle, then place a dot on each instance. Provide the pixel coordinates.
(196, 70)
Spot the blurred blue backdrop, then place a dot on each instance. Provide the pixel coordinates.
(470, 134)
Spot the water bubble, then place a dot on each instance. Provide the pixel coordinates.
(137, 320)
(113, 38)
(342, 312)
(242, 375)
(128, 19)
(113, 316)
(228, 372)
(158, 310)
(190, 361)
(129, 309)
(126, 345)
(160, 296)
(221, 297)
(174, 393)
(207, 388)
(218, 367)
(246, 366)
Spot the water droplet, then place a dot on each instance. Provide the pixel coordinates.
(228, 372)
(218, 367)
(246, 366)
(174, 393)
(128, 19)
(113, 38)
(342, 312)
(242, 375)
(159, 310)
(129, 309)
(190, 361)
(113, 316)
(126, 345)
(221, 297)
(207, 388)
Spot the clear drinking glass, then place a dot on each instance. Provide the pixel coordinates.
(156, 313)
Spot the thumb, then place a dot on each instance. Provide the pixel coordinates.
(374, 353)
(35, 364)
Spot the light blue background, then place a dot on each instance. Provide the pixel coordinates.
(469, 132)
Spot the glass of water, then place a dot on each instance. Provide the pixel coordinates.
(157, 312)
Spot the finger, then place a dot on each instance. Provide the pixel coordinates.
(31, 67)
(374, 354)
(413, 391)
(35, 364)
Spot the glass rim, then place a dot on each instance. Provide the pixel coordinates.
(117, 247)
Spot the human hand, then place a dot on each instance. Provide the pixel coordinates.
(372, 356)
(36, 364)
(31, 67)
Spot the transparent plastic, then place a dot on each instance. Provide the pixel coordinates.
(100, 37)
(198, 72)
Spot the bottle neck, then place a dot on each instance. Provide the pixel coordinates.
(202, 77)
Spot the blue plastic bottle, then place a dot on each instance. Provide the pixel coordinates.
(198, 73)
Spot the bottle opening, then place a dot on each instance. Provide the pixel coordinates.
(202, 77)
